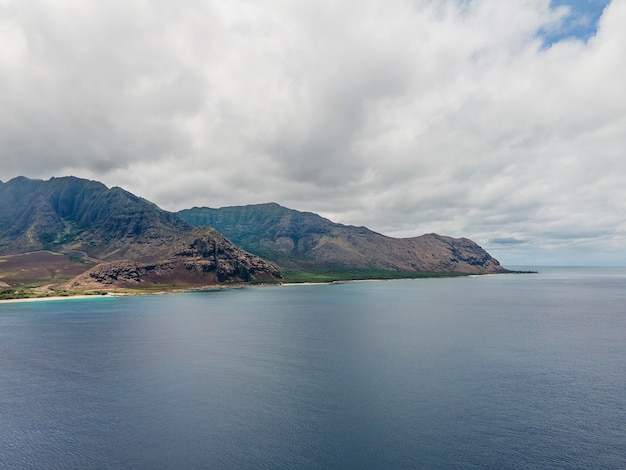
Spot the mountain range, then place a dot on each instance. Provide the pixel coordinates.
(79, 234)
(119, 239)
(298, 241)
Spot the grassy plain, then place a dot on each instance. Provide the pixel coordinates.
(346, 274)
(40, 267)
(33, 275)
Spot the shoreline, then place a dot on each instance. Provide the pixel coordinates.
(112, 294)
(57, 297)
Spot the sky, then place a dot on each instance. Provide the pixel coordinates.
(499, 121)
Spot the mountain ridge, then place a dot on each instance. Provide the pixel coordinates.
(70, 212)
(304, 240)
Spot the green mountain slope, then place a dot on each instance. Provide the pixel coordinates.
(305, 241)
(72, 213)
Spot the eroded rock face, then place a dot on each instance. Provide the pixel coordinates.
(451, 255)
(202, 257)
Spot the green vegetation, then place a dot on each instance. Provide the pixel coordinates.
(11, 293)
(347, 274)
(151, 289)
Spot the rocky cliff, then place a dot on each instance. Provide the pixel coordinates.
(201, 258)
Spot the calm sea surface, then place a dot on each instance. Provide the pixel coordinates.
(510, 371)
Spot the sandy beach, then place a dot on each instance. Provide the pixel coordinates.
(67, 297)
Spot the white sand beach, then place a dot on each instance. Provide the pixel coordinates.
(67, 297)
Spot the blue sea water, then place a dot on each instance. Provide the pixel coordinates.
(508, 371)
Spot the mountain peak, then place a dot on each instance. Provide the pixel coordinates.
(75, 213)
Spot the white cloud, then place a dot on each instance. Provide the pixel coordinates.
(405, 116)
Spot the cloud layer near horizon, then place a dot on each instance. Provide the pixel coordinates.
(455, 116)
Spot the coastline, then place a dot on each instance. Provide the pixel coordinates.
(111, 294)
(57, 297)
(180, 289)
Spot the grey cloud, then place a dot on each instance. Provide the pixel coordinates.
(507, 241)
(407, 117)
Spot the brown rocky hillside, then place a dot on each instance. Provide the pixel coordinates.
(201, 257)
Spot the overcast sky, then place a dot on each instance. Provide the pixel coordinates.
(501, 121)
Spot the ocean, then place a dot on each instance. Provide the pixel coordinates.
(506, 371)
